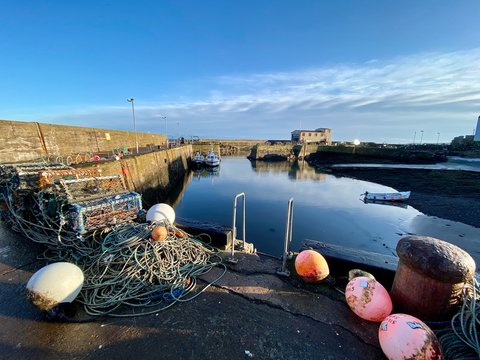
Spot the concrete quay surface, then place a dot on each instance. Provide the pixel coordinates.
(250, 313)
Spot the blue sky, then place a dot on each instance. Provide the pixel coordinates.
(254, 69)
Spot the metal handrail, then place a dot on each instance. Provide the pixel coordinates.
(234, 226)
(288, 239)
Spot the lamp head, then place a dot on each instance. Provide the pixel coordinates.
(131, 100)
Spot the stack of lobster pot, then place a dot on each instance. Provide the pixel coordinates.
(53, 195)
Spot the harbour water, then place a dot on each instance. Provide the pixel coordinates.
(326, 208)
(453, 163)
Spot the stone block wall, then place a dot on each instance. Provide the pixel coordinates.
(27, 141)
(153, 175)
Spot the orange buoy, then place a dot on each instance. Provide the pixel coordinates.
(178, 233)
(311, 266)
(368, 299)
(404, 336)
(159, 233)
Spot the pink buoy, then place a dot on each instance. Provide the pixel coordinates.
(368, 299)
(311, 266)
(404, 336)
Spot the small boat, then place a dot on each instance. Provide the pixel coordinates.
(198, 159)
(212, 159)
(395, 196)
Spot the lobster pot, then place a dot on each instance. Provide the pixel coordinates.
(25, 176)
(48, 177)
(429, 278)
(96, 214)
(85, 189)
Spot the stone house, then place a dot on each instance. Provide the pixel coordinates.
(319, 136)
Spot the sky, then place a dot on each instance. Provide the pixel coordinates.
(382, 71)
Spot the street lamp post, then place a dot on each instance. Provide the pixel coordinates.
(438, 137)
(421, 137)
(166, 136)
(132, 100)
(414, 136)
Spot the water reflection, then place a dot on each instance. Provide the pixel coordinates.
(386, 203)
(197, 174)
(326, 208)
(296, 170)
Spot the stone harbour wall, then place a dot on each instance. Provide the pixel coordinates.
(279, 152)
(153, 174)
(26, 141)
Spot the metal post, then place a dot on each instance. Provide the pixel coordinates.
(166, 136)
(288, 239)
(232, 259)
(132, 100)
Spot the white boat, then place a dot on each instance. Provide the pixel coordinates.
(395, 196)
(212, 159)
(198, 159)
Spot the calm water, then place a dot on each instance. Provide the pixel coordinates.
(453, 163)
(326, 208)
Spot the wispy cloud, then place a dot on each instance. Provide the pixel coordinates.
(379, 100)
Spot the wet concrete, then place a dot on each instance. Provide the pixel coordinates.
(250, 313)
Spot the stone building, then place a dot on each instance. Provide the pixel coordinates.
(319, 136)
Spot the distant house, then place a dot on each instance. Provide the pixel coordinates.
(319, 136)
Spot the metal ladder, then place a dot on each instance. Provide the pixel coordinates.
(288, 239)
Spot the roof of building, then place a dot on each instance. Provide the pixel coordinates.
(316, 130)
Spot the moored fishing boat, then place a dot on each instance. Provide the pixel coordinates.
(212, 159)
(394, 196)
(198, 159)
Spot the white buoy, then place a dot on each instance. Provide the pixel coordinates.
(161, 212)
(55, 284)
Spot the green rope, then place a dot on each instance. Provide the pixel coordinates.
(134, 271)
(461, 339)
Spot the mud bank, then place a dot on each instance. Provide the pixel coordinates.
(452, 195)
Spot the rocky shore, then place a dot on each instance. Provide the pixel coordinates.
(452, 195)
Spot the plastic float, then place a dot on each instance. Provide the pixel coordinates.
(159, 233)
(404, 336)
(161, 212)
(55, 284)
(368, 298)
(311, 266)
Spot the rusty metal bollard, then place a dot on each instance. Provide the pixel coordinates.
(429, 278)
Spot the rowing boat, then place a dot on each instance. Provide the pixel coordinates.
(394, 196)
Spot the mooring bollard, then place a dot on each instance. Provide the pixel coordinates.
(429, 278)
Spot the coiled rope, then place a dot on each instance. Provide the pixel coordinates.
(135, 271)
(461, 340)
